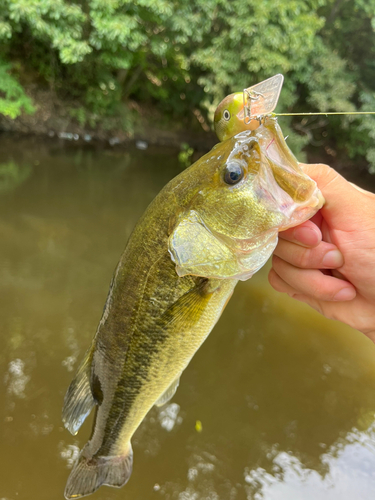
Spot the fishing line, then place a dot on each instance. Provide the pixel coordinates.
(328, 113)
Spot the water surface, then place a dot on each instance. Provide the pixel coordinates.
(278, 404)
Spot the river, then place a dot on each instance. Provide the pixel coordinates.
(278, 404)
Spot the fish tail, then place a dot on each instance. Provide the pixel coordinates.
(89, 474)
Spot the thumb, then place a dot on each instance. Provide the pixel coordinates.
(345, 204)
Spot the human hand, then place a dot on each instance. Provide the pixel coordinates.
(329, 261)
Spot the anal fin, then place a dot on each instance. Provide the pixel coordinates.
(169, 393)
(89, 473)
(78, 401)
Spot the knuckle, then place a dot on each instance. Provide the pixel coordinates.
(303, 259)
(317, 292)
(322, 291)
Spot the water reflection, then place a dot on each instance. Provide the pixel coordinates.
(12, 174)
(69, 453)
(286, 399)
(169, 416)
(15, 379)
(347, 476)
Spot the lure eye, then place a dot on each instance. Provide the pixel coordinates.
(233, 173)
(226, 115)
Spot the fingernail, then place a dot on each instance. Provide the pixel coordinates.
(306, 235)
(333, 259)
(344, 294)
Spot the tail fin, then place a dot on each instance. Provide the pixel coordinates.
(89, 474)
(79, 400)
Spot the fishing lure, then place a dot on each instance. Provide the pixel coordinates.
(246, 110)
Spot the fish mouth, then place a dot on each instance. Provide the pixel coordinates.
(305, 211)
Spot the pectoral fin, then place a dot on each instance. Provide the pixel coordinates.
(169, 393)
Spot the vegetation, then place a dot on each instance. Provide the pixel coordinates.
(184, 56)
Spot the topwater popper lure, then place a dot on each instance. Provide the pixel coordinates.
(247, 110)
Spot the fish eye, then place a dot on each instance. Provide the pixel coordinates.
(233, 173)
(226, 115)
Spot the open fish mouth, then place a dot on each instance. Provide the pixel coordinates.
(285, 189)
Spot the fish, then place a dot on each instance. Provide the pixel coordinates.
(214, 224)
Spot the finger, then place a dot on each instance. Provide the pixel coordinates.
(314, 303)
(317, 219)
(279, 284)
(364, 191)
(339, 193)
(306, 234)
(324, 256)
(341, 311)
(313, 282)
(337, 274)
(328, 309)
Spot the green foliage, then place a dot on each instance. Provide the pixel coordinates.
(12, 95)
(57, 23)
(366, 128)
(188, 54)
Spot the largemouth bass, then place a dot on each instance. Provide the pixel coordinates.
(212, 225)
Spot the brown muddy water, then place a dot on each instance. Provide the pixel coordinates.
(278, 404)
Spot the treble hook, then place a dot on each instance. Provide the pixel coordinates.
(252, 95)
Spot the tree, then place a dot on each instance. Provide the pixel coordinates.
(187, 55)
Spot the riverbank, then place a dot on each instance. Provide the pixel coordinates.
(54, 118)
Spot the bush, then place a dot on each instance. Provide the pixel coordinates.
(13, 99)
(188, 54)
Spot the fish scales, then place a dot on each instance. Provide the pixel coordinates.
(215, 223)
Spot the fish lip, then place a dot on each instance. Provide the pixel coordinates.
(305, 211)
(244, 245)
(294, 212)
(265, 245)
(261, 250)
(256, 242)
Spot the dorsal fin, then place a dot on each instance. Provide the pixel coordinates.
(79, 400)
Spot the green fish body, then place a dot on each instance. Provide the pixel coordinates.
(215, 223)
